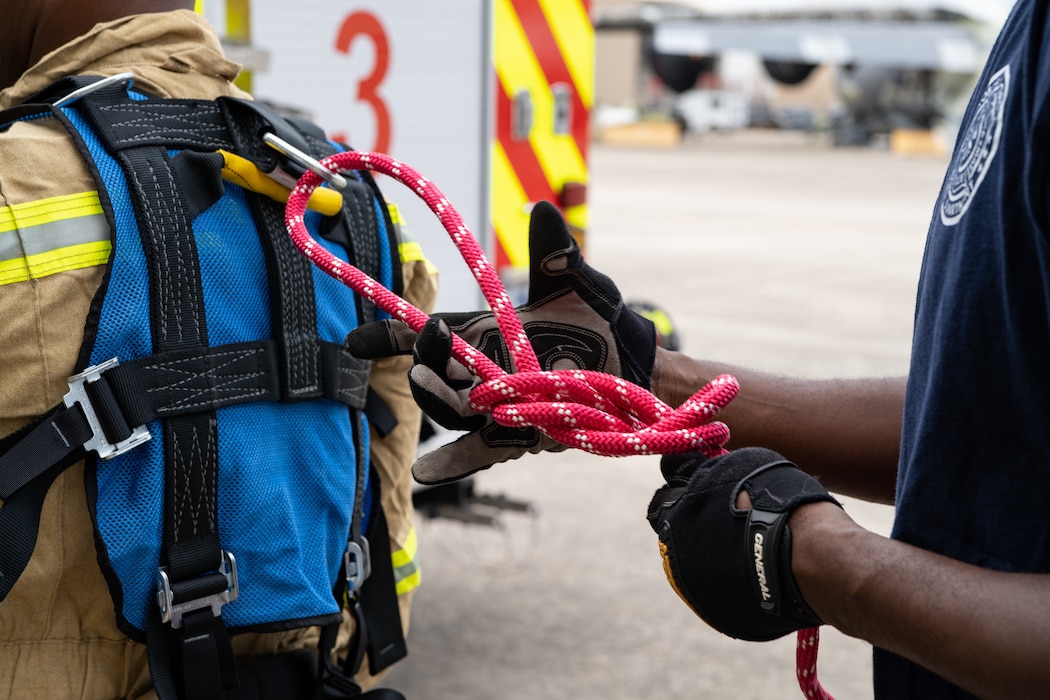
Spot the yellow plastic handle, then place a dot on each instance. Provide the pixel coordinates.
(243, 172)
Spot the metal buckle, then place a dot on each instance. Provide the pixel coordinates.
(78, 395)
(72, 97)
(357, 563)
(172, 612)
(304, 159)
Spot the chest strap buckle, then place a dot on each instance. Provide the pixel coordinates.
(99, 442)
(173, 611)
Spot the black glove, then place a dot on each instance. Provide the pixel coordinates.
(732, 566)
(575, 319)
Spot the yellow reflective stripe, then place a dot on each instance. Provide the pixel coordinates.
(49, 210)
(517, 68)
(577, 216)
(408, 583)
(72, 257)
(395, 214)
(410, 251)
(407, 554)
(510, 218)
(406, 569)
(52, 235)
(574, 33)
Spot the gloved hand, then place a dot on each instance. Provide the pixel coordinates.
(732, 566)
(575, 319)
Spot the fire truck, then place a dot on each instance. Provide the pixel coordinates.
(489, 99)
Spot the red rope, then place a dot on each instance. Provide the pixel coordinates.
(806, 664)
(592, 411)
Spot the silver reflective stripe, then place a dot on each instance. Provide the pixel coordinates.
(48, 237)
(52, 235)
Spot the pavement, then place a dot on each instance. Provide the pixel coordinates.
(770, 250)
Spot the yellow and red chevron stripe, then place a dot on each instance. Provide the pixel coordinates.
(539, 44)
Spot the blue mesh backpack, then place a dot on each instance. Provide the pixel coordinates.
(223, 423)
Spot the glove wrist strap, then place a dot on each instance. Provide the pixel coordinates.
(763, 546)
(769, 559)
(775, 493)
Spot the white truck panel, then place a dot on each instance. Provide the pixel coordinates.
(436, 90)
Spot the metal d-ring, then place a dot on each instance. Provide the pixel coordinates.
(72, 97)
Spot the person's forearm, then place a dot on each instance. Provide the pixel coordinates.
(986, 631)
(846, 432)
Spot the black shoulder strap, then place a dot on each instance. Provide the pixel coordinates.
(192, 550)
(386, 640)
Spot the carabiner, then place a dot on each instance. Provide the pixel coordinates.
(310, 163)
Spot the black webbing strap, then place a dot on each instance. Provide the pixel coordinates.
(231, 124)
(358, 202)
(203, 642)
(358, 229)
(123, 123)
(382, 616)
(236, 125)
(293, 675)
(358, 232)
(187, 381)
(176, 383)
(380, 416)
(355, 572)
(35, 448)
(19, 524)
(294, 306)
(30, 460)
(195, 651)
(136, 393)
(192, 550)
(360, 441)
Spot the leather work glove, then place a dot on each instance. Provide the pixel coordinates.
(575, 319)
(732, 566)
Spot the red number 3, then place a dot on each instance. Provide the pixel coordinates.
(366, 24)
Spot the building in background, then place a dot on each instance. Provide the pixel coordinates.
(858, 69)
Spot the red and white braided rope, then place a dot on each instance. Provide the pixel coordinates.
(592, 411)
(588, 410)
(806, 648)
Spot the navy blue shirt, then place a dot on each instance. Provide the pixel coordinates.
(975, 454)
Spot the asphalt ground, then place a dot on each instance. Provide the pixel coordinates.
(771, 250)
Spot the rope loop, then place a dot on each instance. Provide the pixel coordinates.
(592, 411)
(606, 415)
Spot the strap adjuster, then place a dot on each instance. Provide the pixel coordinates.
(99, 442)
(357, 563)
(172, 612)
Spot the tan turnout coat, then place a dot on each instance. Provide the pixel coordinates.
(58, 637)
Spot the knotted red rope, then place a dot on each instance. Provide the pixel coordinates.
(592, 411)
